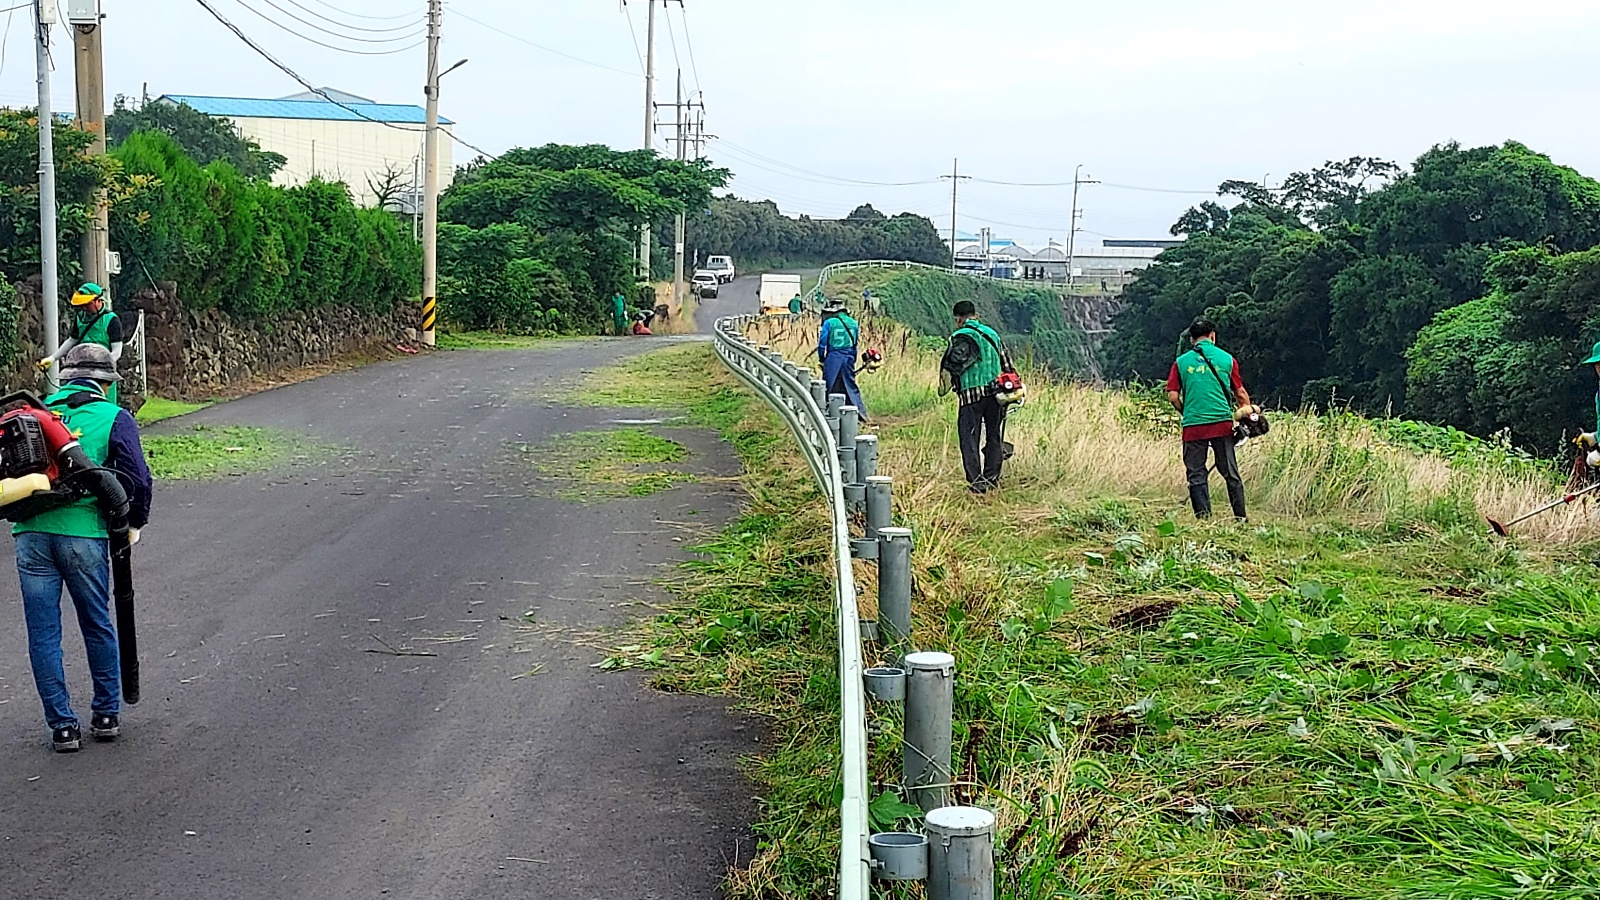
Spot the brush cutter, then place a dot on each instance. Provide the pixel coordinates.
(1504, 530)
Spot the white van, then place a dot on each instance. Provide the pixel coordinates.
(722, 266)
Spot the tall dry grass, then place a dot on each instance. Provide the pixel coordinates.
(1076, 442)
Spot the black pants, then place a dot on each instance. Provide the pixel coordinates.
(1194, 463)
(982, 424)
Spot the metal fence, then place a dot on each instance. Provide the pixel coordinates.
(954, 852)
(830, 271)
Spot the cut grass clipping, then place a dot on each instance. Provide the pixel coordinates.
(1359, 695)
(489, 340)
(623, 462)
(206, 451)
(158, 409)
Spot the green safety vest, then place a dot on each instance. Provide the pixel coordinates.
(1204, 400)
(988, 365)
(94, 331)
(843, 332)
(91, 425)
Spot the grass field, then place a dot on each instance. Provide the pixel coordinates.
(1359, 694)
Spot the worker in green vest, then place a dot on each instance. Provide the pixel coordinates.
(70, 546)
(837, 343)
(93, 322)
(971, 365)
(1204, 385)
(796, 305)
(619, 314)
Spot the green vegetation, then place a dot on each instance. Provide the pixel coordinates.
(1360, 694)
(1322, 287)
(1029, 319)
(540, 239)
(622, 462)
(248, 247)
(488, 340)
(758, 235)
(78, 176)
(208, 451)
(204, 139)
(156, 409)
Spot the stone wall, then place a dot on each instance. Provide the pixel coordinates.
(196, 353)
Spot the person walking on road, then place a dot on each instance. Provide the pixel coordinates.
(1198, 388)
(70, 546)
(93, 322)
(971, 366)
(619, 314)
(837, 343)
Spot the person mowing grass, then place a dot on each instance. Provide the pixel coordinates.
(971, 366)
(1197, 388)
(837, 342)
(93, 322)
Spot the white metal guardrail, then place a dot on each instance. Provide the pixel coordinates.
(830, 271)
(791, 391)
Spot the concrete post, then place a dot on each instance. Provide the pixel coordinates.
(894, 587)
(866, 456)
(960, 853)
(930, 706)
(880, 490)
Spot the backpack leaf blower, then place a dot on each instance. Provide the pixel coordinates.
(43, 467)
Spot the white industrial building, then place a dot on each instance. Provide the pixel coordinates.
(1110, 266)
(374, 144)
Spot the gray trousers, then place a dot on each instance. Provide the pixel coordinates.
(1194, 464)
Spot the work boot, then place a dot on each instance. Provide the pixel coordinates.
(1200, 499)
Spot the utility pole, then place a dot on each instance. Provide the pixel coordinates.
(684, 132)
(45, 17)
(87, 39)
(1072, 230)
(956, 178)
(430, 175)
(649, 125)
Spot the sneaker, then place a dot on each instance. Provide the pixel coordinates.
(104, 728)
(66, 739)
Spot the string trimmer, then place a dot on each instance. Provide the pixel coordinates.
(1504, 530)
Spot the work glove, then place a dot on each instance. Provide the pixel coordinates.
(1593, 459)
(1587, 440)
(133, 536)
(44, 365)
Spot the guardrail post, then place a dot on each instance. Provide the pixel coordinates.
(880, 500)
(930, 707)
(849, 426)
(819, 392)
(866, 456)
(835, 405)
(960, 853)
(894, 588)
(847, 468)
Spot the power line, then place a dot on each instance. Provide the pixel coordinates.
(633, 33)
(683, 14)
(1124, 187)
(276, 24)
(355, 15)
(415, 21)
(672, 38)
(515, 37)
(830, 178)
(339, 34)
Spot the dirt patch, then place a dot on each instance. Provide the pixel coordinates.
(1073, 841)
(1147, 616)
(1111, 730)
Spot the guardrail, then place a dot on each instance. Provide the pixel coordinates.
(959, 865)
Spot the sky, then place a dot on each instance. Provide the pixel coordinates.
(821, 106)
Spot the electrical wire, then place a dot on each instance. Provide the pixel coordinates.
(276, 24)
(515, 37)
(634, 33)
(1121, 187)
(683, 16)
(672, 38)
(415, 20)
(744, 151)
(11, 13)
(355, 15)
(416, 29)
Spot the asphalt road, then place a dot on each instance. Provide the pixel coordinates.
(738, 296)
(275, 756)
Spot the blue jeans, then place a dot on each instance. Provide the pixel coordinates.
(45, 562)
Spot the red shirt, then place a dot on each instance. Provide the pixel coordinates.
(1215, 429)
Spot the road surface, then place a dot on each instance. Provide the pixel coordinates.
(277, 756)
(737, 297)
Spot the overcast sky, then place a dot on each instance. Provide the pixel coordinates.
(807, 99)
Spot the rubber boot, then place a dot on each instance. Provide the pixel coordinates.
(1200, 499)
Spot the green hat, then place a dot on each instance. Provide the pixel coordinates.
(1594, 356)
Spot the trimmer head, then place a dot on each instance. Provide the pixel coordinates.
(1499, 529)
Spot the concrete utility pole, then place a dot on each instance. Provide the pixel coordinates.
(87, 35)
(649, 125)
(45, 17)
(956, 178)
(677, 239)
(1072, 229)
(430, 175)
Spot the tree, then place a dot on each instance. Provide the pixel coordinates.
(203, 138)
(78, 177)
(758, 230)
(389, 186)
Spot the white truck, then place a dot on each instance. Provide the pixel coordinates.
(776, 292)
(722, 266)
